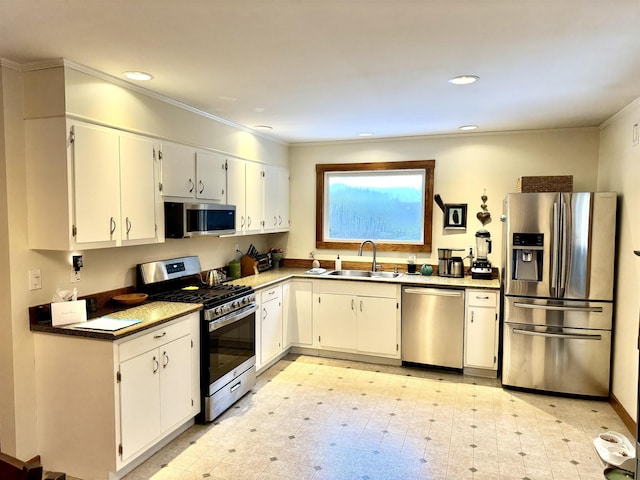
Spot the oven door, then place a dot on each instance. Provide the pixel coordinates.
(229, 349)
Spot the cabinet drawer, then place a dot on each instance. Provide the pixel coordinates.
(482, 298)
(154, 339)
(270, 293)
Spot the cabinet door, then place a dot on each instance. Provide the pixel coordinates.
(211, 177)
(298, 313)
(139, 402)
(137, 188)
(236, 191)
(175, 382)
(283, 199)
(270, 198)
(254, 197)
(337, 321)
(178, 171)
(480, 338)
(96, 184)
(377, 326)
(271, 330)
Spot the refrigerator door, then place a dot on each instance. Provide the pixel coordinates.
(564, 360)
(559, 313)
(531, 272)
(587, 246)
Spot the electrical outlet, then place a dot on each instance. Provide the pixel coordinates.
(75, 276)
(35, 279)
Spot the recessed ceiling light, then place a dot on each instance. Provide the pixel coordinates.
(365, 134)
(468, 127)
(140, 76)
(464, 79)
(263, 127)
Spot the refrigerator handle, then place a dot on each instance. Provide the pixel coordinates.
(563, 336)
(555, 250)
(558, 308)
(564, 253)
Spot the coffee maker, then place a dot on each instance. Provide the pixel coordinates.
(448, 265)
(481, 267)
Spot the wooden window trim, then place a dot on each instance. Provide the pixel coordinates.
(427, 165)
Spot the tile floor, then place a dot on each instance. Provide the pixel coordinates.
(322, 419)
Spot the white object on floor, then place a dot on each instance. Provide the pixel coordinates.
(615, 449)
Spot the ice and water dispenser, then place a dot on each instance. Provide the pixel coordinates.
(528, 256)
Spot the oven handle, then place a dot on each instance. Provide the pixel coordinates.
(237, 315)
(564, 336)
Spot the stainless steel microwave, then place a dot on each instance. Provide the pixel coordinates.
(190, 219)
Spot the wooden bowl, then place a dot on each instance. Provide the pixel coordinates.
(131, 298)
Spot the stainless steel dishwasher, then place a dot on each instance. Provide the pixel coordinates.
(432, 326)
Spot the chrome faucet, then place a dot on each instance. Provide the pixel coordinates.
(373, 264)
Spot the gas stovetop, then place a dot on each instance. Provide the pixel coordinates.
(208, 296)
(179, 280)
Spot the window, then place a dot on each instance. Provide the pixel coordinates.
(389, 203)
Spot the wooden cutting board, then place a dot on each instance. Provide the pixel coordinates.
(248, 266)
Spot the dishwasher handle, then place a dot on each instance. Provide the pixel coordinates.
(433, 292)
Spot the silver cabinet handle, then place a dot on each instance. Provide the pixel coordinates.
(160, 336)
(128, 224)
(156, 365)
(486, 297)
(113, 225)
(191, 186)
(559, 308)
(201, 186)
(361, 305)
(242, 221)
(562, 336)
(165, 359)
(352, 304)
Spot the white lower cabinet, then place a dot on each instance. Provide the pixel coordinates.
(481, 330)
(103, 405)
(269, 322)
(358, 317)
(297, 301)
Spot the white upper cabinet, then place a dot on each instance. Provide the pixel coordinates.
(138, 189)
(211, 177)
(188, 173)
(254, 189)
(276, 199)
(89, 186)
(236, 178)
(95, 157)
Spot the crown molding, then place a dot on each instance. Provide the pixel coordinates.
(67, 63)
(4, 63)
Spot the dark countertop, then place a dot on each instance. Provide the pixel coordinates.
(150, 314)
(273, 276)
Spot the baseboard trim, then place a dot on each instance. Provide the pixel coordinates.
(623, 414)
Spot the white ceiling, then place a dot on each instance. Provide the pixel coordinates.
(330, 69)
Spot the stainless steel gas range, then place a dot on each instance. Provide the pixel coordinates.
(227, 333)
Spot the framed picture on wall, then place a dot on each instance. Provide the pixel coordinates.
(455, 216)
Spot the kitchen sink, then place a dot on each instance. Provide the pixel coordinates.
(363, 274)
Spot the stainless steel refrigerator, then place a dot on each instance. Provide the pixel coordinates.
(558, 283)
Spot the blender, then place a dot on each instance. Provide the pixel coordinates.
(481, 267)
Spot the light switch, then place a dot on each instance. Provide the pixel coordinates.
(35, 279)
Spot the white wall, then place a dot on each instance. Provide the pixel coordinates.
(466, 165)
(620, 171)
(87, 97)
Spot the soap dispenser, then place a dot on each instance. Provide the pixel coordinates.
(338, 263)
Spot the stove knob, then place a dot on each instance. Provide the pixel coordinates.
(245, 300)
(235, 304)
(216, 311)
